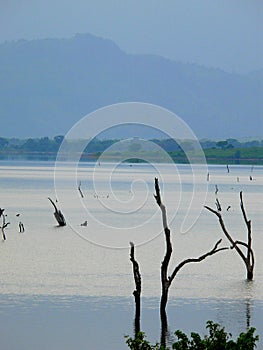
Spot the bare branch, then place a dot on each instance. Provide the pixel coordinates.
(227, 234)
(158, 199)
(218, 205)
(243, 208)
(157, 195)
(249, 260)
(194, 260)
(212, 210)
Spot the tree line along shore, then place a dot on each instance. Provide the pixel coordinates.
(229, 151)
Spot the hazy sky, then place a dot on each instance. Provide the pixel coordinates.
(218, 33)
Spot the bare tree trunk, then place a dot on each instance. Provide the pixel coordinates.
(250, 255)
(248, 259)
(58, 215)
(137, 291)
(165, 279)
(168, 252)
(164, 328)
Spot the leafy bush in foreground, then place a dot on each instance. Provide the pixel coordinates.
(217, 339)
(140, 343)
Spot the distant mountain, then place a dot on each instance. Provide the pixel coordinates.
(48, 85)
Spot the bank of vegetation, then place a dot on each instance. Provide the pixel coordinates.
(230, 151)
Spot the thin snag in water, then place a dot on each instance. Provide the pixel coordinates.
(80, 191)
(137, 291)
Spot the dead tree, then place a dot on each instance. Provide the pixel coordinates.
(248, 258)
(137, 291)
(4, 224)
(58, 214)
(165, 279)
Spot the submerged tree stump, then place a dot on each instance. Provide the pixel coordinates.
(58, 214)
(4, 224)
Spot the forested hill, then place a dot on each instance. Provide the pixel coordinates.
(48, 85)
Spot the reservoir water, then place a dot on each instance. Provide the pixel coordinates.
(71, 287)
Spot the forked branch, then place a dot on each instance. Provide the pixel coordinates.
(252, 258)
(249, 258)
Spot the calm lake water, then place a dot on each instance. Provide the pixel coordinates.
(71, 287)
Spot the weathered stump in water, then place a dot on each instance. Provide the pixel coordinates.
(4, 224)
(58, 214)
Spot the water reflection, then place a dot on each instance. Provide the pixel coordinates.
(75, 322)
(239, 310)
(248, 312)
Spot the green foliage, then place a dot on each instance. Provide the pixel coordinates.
(249, 155)
(229, 151)
(140, 343)
(222, 144)
(217, 339)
